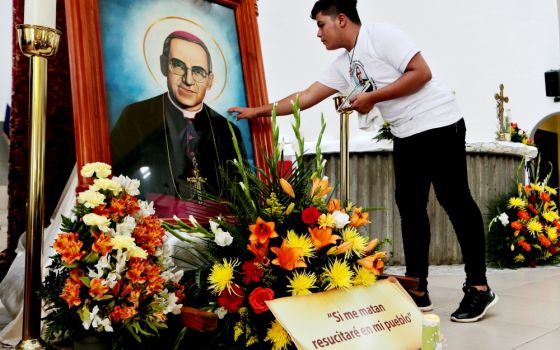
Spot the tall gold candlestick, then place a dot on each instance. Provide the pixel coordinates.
(344, 163)
(38, 43)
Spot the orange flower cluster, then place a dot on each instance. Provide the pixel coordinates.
(69, 246)
(148, 234)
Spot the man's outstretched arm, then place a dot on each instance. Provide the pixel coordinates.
(309, 97)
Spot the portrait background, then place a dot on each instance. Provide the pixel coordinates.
(132, 34)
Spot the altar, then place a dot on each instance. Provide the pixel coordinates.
(493, 169)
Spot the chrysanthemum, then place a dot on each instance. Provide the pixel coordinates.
(550, 190)
(516, 202)
(537, 187)
(337, 275)
(534, 226)
(221, 276)
(278, 336)
(326, 220)
(359, 242)
(550, 216)
(301, 283)
(364, 277)
(552, 233)
(293, 240)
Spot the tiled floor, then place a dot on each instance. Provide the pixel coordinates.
(527, 316)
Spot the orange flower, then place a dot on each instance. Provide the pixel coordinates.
(122, 313)
(374, 262)
(149, 234)
(516, 225)
(75, 276)
(544, 240)
(136, 269)
(155, 281)
(288, 258)
(262, 231)
(134, 297)
(320, 187)
(68, 246)
(260, 250)
(545, 196)
(524, 245)
(322, 237)
(102, 244)
(333, 205)
(287, 188)
(341, 249)
(359, 218)
(371, 245)
(71, 293)
(117, 208)
(97, 289)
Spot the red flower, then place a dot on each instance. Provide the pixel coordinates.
(258, 298)
(523, 215)
(532, 208)
(310, 215)
(544, 240)
(545, 196)
(251, 272)
(231, 300)
(524, 245)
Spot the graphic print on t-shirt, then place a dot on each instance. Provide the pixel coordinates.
(359, 75)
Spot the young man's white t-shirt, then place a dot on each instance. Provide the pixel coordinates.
(381, 54)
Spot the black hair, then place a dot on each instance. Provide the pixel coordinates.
(335, 7)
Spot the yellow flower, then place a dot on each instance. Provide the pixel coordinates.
(287, 188)
(320, 187)
(537, 187)
(326, 220)
(293, 240)
(91, 198)
(102, 222)
(364, 277)
(123, 242)
(550, 216)
(516, 202)
(301, 283)
(290, 208)
(252, 340)
(101, 170)
(221, 276)
(337, 275)
(359, 242)
(137, 252)
(534, 226)
(238, 330)
(278, 336)
(550, 190)
(552, 233)
(106, 185)
(519, 258)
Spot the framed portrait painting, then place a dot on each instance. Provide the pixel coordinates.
(152, 81)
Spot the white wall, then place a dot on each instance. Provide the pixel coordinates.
(5, 55)
(472, 45)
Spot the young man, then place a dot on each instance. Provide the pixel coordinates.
(425, 120)
(174, 142)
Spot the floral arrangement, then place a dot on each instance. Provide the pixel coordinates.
(285, 235)
(524, 231)
(112, 274)
(519, 135)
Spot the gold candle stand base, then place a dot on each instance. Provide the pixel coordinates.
(344, 162)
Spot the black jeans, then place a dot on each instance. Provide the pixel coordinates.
(437, 157)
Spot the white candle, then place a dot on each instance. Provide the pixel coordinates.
(430, 332)
(40, 12)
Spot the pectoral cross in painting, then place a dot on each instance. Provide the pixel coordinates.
(501, 99)
(196, 181)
